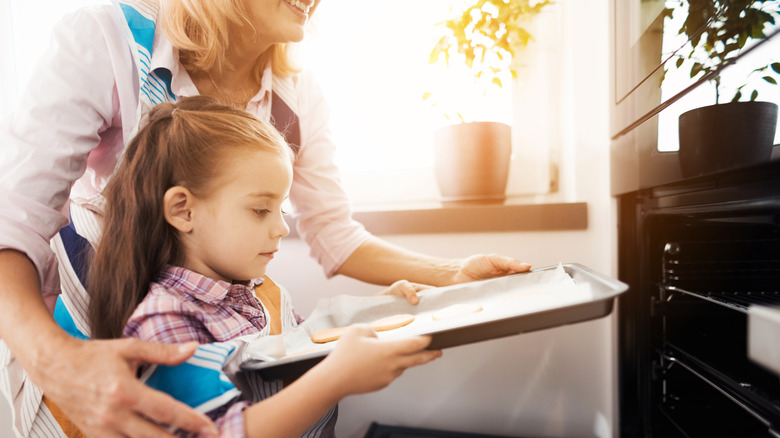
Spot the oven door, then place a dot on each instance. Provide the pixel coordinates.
(698, 257)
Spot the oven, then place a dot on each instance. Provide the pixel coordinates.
(697, 255)
(700, 251)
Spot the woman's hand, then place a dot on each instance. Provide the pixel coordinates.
(406, 289)
(362, 363)
(94, 383)
(483, 266)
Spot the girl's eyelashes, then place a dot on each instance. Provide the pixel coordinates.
(265, 212)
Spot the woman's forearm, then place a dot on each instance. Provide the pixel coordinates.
(26, 325)
(380, 262)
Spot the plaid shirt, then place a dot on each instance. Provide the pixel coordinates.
(184, 306)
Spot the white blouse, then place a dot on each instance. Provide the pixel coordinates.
(81, 107)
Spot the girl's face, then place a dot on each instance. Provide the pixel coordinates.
(280, 21)
(237, 228)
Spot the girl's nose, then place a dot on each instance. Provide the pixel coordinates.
(281, 229)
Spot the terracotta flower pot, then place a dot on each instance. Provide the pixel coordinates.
(726, 136)
(472, 161)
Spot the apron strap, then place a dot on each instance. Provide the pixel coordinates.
(78, 249)
(286, 122)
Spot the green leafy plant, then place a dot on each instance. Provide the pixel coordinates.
(728, 26)
(486, 36)
(766, 73)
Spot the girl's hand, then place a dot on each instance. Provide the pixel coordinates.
(362, 363)
(406, 289)
(484, 266)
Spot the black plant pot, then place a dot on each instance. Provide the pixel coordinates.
(726, 136)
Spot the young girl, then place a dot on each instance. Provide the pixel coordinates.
(193, 217)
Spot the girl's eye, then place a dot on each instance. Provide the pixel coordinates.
(262, 213)
(284, 212)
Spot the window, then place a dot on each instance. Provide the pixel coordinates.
(372, 61)
(750, 71)
(371, 58)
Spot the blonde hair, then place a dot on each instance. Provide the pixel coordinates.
(199, 29)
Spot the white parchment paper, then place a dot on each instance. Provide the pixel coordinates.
(500, 298)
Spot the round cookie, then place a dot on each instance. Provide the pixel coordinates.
(457, 310)
(392, 322)
(327, 335)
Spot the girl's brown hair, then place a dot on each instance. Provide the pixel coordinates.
(183, 144)
(199, 29)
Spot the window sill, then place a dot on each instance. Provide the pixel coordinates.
(471, 218)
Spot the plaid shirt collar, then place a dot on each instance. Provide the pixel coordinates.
(202, 288)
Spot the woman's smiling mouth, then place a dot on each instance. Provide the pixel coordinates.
(301, 6)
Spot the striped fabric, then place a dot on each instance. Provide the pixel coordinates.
(140, 16)
(31, 418)
(205, 366)
(202, 384)
(257, 389)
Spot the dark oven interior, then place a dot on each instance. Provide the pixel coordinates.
(697, 255)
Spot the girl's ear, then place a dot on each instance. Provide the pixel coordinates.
(177, 207)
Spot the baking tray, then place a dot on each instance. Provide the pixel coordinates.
(467, 330)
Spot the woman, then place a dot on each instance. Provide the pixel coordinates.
(107, 67)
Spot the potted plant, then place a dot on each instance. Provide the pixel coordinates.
(472, 158)
(740, 132)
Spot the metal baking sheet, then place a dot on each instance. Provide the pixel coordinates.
(495, 321)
